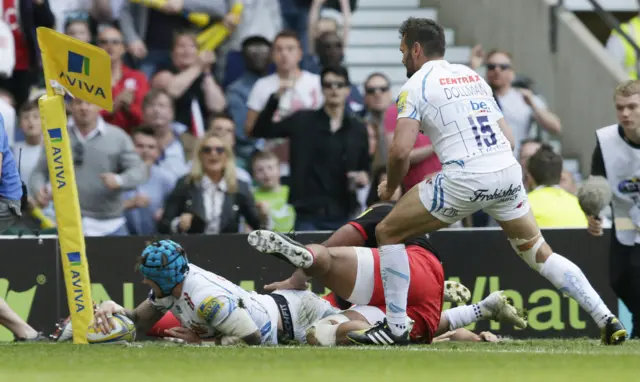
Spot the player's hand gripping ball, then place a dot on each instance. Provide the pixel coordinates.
(123, 331)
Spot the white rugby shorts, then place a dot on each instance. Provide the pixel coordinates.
(453, 195)
(306, 308)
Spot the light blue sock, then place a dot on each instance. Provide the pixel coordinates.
(396, 275)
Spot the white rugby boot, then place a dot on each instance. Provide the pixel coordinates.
(456, 293)
(497, 307)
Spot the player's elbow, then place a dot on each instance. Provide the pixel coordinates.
(253, 338)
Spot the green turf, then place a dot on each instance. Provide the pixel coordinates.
(538, 360)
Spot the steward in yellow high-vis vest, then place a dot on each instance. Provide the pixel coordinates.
(624, 52)
(552, 206)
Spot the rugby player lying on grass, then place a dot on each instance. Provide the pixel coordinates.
(209, 308)
(212, 309)
(494, 306)
(338, 272)
(349, 264)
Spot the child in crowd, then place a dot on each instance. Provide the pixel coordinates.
(28, 151)
(269, 191)
(27, 154)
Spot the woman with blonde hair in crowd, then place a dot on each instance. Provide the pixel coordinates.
(210, 199)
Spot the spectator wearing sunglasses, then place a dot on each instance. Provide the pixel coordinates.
(106, 164)
(210, 199)
(519, 106)
(128, 86)
(377, 100)
(23, 17)
(329, 154)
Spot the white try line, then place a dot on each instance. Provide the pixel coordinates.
(476, 348)
(480, 348)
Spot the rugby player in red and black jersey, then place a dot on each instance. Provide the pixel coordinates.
(348, 263)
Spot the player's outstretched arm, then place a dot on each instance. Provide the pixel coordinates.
(144, 316)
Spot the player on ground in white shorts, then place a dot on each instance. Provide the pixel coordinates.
(455, 107)
(211, 308)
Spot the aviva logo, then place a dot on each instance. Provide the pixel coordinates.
(74, 259)
(78, 63)
(55, 135)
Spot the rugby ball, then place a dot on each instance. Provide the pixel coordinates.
(124, 331)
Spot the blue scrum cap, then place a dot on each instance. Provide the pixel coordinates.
(165, 263)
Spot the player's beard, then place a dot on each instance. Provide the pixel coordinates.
(410, 68)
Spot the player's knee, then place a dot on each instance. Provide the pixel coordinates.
(533, 251)
(543, 253)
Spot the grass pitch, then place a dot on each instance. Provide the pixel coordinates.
(534, 360)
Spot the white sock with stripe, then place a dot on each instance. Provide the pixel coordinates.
(396, 275)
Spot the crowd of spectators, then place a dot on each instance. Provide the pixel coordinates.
(267, 130)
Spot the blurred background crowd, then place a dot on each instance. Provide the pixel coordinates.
(278, 125)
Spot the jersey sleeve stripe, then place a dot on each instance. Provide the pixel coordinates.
(360, 229)
(424, 85)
